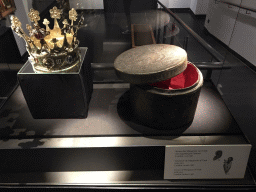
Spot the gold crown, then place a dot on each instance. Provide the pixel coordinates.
(51, 50)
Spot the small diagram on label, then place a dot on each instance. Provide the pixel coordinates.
(218, 155)
(227, 164)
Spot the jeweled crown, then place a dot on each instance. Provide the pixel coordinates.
(51, 50)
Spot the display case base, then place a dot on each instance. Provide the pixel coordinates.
(110, 161)
(58, 95)
(109, 146)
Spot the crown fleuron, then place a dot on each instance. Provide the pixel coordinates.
(51, 50)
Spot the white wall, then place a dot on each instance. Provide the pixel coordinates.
(179, 3)
(235, 2)
(202, 7)
(86, 4)
(21, 14)
(251, 4)
(193, 5)
(244, 37)
(27, 7)
(199, 7)
(29, 4)
(235, 27)
(222, 20)
(165, 3)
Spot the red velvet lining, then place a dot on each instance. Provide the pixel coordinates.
(186, 79)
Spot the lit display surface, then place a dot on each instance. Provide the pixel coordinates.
(110, 116)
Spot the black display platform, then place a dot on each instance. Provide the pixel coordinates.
(58, 95)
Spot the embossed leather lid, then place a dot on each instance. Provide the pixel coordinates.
(150, 63)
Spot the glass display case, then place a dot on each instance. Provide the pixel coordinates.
(110, 149)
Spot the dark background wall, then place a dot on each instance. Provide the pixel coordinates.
(117, 6)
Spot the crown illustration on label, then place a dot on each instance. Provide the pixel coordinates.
(51, 50)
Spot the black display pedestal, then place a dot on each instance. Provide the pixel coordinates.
(58, 95)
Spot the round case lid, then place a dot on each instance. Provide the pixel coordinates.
(150, 63)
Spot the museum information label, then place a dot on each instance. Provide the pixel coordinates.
(206, 162)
